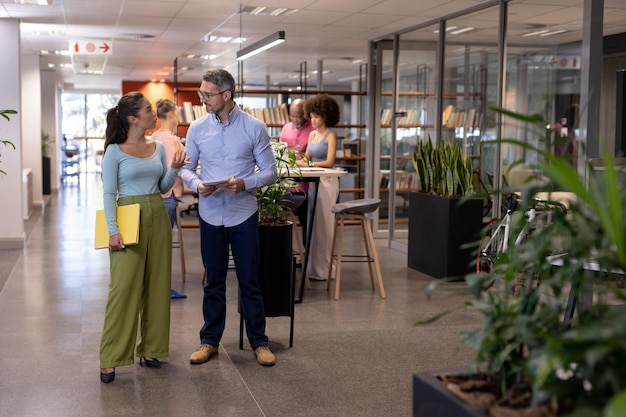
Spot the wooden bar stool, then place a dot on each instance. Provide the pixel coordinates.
(355, 210)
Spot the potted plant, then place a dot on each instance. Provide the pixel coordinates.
(5, 113)
(45, 161)
(530, 356)
(275, 234)
(443, 218)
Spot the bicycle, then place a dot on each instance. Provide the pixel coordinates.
(495, 239)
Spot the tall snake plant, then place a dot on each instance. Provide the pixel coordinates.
(442, 169)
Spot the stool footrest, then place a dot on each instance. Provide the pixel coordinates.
(343, 258)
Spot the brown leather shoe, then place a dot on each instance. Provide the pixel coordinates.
(203, 354)
(264, 356)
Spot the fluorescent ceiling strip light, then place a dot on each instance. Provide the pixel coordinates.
(539, 32)
(555, 32)
(260, 46)
(258, 10)
(448, 29)
(463, 30)
(278, 11)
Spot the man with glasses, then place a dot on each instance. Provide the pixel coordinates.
(228, 144)
(296, 135)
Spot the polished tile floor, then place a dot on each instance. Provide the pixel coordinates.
(352, 357)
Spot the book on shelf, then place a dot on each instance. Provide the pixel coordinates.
(188, 111)
(277, 115)
(458, 118)
(446, 115)
(452, 117)
(405, 180)
(199, 112)
(469, 121)
(385, 118)
(384, 180)
(411, 118)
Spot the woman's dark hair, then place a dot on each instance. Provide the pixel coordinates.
(164, 106)
(222, 79)
(117, 117)
(325, 106)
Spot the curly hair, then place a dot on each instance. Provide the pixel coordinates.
(323, 105)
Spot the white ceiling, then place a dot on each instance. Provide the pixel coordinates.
(334, 32)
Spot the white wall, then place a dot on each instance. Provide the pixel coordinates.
(11, 215)
(31, 122)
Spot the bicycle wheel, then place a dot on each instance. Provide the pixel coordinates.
(491, 246)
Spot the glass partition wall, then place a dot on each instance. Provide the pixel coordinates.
(543, 77)
(443, 80)
(405, 116)
(438, 83)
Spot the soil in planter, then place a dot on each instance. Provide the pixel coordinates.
(483, 392)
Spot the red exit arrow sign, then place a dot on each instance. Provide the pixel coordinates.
(90, 47)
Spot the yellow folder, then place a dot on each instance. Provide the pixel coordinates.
(127, 222)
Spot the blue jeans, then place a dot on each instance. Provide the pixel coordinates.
(244, 242)
(170, 205)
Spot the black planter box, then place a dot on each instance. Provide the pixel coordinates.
(439, 227)
(276, 274)
(45, 175)
(432, 399)
(276, 269)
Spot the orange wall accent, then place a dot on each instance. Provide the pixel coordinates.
(154, 91)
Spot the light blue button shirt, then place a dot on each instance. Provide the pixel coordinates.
(234, 149)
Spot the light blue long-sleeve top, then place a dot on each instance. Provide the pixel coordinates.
(229, 150)
(125, 175)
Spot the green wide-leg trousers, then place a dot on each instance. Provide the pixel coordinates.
(139, 290)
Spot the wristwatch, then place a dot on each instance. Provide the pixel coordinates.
(310, 163)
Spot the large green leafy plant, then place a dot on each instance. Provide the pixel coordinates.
(271, 198)
(5, 113)
(442, 169)
(577, 369)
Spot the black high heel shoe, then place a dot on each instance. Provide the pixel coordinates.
(150, 363)
(106, 378)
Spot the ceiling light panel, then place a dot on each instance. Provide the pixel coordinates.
(268, 11)
(38, 2)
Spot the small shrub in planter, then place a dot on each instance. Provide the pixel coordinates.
(577, 370)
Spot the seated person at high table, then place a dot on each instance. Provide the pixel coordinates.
(296, 135)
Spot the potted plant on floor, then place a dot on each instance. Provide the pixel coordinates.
(45, 162)
(531, 358)
(6, 143)
(443, 216)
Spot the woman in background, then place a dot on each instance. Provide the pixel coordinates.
(167, 112)
(323, 112)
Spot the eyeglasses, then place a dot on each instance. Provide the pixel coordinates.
(207, 96)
